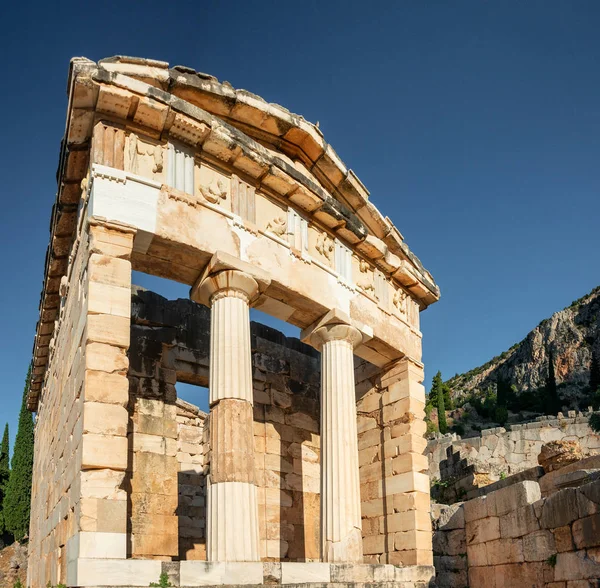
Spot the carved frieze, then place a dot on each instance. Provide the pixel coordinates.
(325, 246)
(144, 158)
(401, 302)
(213, 186)
(365, 282)
(278, 226)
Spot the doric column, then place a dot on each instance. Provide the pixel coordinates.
(341, 537)
(232, 510)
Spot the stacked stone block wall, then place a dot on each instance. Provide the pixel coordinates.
(464, 465)
(393, 470)
(192, 456)
(57, 455)
(514, 537)
(170, 341)
(78, 500)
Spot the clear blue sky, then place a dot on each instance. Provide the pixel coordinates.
(475, 125)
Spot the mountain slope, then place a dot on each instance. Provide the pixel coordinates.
(571, 337)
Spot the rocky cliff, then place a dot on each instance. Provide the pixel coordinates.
(571, 338)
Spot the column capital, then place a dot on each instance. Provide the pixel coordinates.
(225, 272)
(234, 283)
(336, 325)
(336, 332)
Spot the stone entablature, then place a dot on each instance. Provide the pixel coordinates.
(157, 122)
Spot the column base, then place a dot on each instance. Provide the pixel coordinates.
(132, 573)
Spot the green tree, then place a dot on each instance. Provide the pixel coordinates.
(4, 474)
(553, 404)
(17, 501)
(437, 398)
(595, 376)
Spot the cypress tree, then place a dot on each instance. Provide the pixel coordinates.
(17, 501)
(4, 474)
(437, 396)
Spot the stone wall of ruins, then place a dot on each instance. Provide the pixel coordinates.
(515, 537)
(393, 470)
(465, 465)
(55, 491)
(170, 342)
(78, 500)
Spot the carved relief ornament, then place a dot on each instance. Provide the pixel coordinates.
(364, 282)
(278, 226)
(325, 246)
(215, 191)
(401, 301)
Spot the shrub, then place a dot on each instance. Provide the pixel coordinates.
(163, 582)
(594, 422)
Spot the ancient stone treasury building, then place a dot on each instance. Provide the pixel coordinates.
(309, 466)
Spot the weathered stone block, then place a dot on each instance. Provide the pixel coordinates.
(539, 546)
(519, 522)
(477, 554)
(102, 451)
(560, 509)
(575, 566)
(110, 329)
(483, 530)
(503, 551)
(105, 419)
(105, 387)
(586, 531)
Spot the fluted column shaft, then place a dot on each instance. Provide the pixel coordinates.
(232, 509)
(341, 537)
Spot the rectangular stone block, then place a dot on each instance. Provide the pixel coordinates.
(103, 451)
(103, 483)
(407, 482)
(411, 501)
(114, 572)
(477, 555)
(399, 409)
(404, 389)
(199, 573)
(476, 509)
(374, 544)
(105, 358)
(519, 522)
(105, 419)
(503, 551)
(410, 462)
(301, 573)
(111, 242)
(481, 577)
(153, 545)
(113, 271)
(483, 530)
(413, 540)
(409, 521)
(110, 329)
(512, 497)
(413, 557)
(539, 546)
(106, 388)
(107, 299)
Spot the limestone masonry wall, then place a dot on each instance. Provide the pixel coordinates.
(55, 491)
(465, 465)
(170, 343)
(514, 537)
(393, 470)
